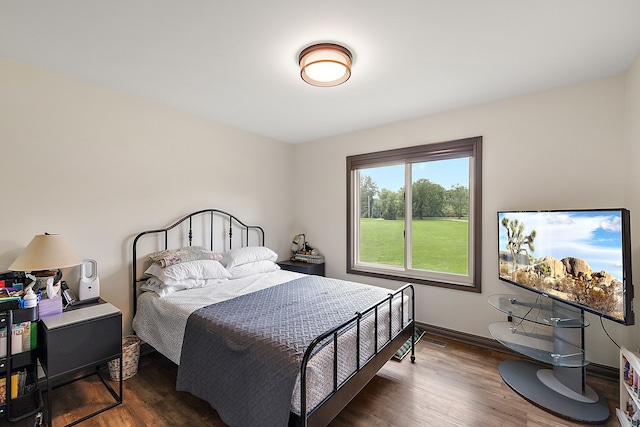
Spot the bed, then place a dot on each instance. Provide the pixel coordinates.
(263, 346)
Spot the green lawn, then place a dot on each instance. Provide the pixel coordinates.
(438, 244)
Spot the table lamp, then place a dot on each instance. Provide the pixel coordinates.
(44, 256)
(295, 244)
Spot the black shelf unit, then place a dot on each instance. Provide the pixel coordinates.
(30, 401)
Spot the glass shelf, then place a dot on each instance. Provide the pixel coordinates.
(551, 332)
(539, 309)
(539, 343)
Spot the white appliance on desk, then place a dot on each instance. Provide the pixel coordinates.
(89, 285)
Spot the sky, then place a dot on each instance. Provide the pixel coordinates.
(595, 236)
(443, 172)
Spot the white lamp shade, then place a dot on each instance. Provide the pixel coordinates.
(46, 252)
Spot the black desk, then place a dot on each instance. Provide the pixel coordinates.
(75, 344)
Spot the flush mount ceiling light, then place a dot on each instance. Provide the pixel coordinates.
(325, 64)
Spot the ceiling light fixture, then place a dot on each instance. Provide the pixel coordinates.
(325, 64)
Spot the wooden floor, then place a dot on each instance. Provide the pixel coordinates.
(451, 385)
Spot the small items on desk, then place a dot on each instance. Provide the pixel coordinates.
(89, 284)
(30, 299)
(303, 252)
(50, 306)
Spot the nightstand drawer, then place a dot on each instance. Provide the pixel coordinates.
(302, 267)
(78, 339)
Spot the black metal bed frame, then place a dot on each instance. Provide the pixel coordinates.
(342, 393)
(234, 222)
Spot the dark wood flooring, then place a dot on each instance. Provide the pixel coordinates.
(452, 385)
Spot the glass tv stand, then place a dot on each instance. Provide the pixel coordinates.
(551, 333)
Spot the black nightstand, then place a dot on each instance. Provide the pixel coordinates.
(75, 344)
(302, 267)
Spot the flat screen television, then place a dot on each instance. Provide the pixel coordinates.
(580, 257)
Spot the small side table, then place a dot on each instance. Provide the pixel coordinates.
(302, 267)
(80, 341)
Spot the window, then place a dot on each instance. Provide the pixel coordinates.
(414, 214)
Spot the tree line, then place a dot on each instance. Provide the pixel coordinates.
(428, 200)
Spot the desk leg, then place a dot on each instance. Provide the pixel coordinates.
(117, 397)
(48, 409)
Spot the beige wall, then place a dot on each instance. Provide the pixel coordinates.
(559, 149)
(632, 183)
(99, 167)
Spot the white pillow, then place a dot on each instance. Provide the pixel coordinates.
(177, 273)
(246, 255)
(153, 284)
(252, 268)
(156, 285)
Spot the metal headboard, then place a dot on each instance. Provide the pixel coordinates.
(234, 223)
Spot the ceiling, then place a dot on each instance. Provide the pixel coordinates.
(235, 62)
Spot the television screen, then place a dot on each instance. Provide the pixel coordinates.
(581, 257)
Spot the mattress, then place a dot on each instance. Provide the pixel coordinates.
(161, 323)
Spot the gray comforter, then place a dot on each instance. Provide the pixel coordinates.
(243, 355)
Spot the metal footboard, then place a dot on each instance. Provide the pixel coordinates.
(343, 392)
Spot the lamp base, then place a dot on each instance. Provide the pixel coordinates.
(43, 276)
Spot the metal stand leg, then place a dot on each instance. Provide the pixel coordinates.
(117, 397)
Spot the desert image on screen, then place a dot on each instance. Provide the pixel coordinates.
(575, 256)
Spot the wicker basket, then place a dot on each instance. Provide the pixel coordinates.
(130, 357)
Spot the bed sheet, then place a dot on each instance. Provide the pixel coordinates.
(161, 323)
